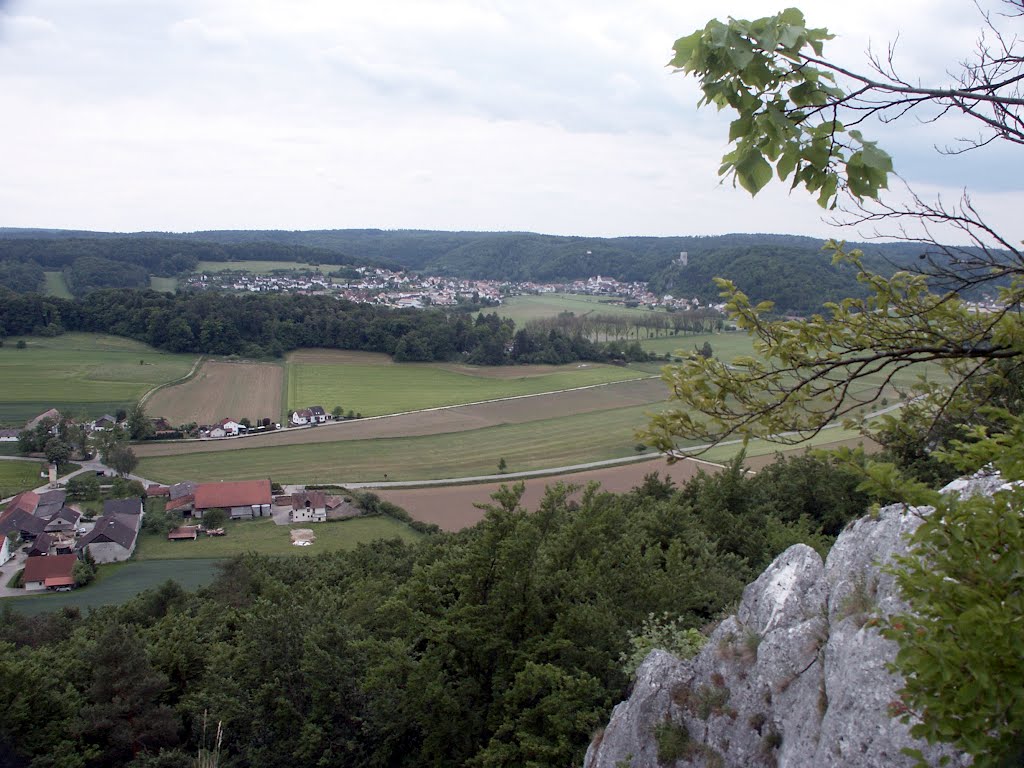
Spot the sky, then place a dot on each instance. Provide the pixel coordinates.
(554, 116)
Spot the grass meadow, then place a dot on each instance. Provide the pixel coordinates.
(522, 309)
(266, 537)
(377, 388)
(56, 285)
(533, 445)
(118, 583)
(81, 374)
(18, 476)
(163, 284)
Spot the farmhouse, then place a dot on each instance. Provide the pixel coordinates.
(49, 572)
(104, 422)
(308, 507)
(53, 413)
(315, 414)
(128, 508)
(243, 499)
(112, 539)
(20, 518)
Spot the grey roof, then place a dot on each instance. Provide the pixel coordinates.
(41, 546)
(184, 488)
(21, 521)
(122, 507)
(109, 528)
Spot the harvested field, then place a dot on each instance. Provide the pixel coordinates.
(455, 419)
(452, 507)
(222, 390)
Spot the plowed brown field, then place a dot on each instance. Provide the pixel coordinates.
(452, 507)
(221, 390)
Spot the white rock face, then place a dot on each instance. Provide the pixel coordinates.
(797, 678)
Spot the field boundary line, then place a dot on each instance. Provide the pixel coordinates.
(287, 430)
(182, 380)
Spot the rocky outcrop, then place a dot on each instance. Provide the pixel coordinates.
(798, 677)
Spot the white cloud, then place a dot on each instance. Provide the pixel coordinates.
(461, 114)
(195, 31)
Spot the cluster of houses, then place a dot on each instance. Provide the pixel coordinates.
(249, 499)
(373, 286)
(406, 289)
(55, 538)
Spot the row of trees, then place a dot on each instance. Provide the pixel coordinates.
(600, 326)
(500, 645)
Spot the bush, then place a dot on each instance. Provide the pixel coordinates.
(84, 487)
(664, 632)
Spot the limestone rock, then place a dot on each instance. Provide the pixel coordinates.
(798, 677)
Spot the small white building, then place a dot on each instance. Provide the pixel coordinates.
(308, 507)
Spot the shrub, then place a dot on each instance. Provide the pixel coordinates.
(664, 632)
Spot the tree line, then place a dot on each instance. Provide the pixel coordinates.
(504, 644)
(264, 325)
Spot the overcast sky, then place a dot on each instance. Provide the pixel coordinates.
(554, 116)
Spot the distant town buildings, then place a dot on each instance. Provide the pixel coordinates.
(405, 289)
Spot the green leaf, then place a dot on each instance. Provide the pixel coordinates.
(753, 172)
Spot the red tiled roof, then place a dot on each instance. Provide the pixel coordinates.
(182, 501)
(59, 581)
(158, 490)
(43, 568)
(26, 501)
(316, 499)
(239, 493)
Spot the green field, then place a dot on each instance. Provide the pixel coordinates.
(522, 309)
(56, 285)
(116, 584)
(264, 267)
(725, 346)
(163, 284)
(18, 476)
(268, 538)
(377, 389)
(529, 446)
(80, 374)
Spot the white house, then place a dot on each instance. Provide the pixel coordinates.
(315, 414)
(308, 507)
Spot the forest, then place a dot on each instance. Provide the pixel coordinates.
(504, 644)
(787, 269)
(268, 325)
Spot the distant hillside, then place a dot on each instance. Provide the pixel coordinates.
(788, 269)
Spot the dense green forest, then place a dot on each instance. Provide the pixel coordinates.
(268, 325)
(790, 270)
(504, 644)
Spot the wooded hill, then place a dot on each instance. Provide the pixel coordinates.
(790, 270)
(505, 644)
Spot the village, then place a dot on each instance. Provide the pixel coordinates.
(58, 543)
(407, 289)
